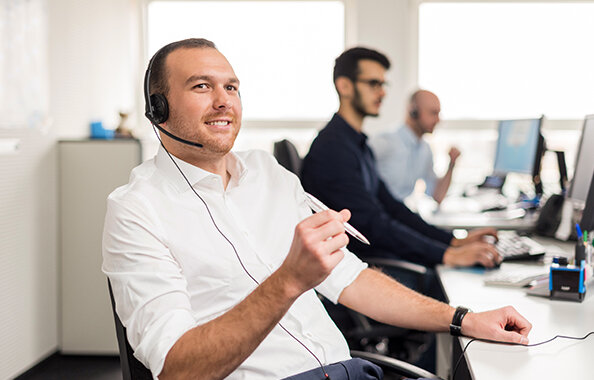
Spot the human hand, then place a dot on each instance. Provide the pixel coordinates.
(316, 249)
(503, 325)
(454, 153)
(478, 252)
(487, 234)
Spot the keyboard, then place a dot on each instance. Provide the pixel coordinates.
(512, 246)
(516, 278)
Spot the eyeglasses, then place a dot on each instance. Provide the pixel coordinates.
(375, 84)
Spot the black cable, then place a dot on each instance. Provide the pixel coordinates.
(514, 344)
(235, 250)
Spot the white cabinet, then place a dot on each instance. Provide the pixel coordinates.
(89, 171)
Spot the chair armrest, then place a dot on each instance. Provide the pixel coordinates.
(389, 364)
(395, 266)
(399, 264)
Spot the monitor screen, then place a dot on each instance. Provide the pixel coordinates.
(584, 163)
(517, 146)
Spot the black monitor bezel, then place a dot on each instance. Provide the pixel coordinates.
(577, 157)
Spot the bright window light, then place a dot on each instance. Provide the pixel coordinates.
(282, 51)
(508, 60)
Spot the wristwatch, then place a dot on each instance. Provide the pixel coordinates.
(456, 325)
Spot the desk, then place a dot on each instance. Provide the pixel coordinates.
(495, 219)
(559, 359)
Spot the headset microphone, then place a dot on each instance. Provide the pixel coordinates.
(187, 142)
(157, 107)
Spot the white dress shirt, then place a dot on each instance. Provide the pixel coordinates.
(403, 158)
(171, 270)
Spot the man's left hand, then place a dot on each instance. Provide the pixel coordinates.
(502, 325)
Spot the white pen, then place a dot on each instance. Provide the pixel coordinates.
(317, 206)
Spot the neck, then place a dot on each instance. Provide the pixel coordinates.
(413, 126)
(354, 118)
(201, 158)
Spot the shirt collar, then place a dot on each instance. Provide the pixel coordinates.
(199, 178)
(351, 133)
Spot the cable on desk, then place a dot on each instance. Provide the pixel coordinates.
(514, 344)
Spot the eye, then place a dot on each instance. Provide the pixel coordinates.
(201, 86)
(230, 87)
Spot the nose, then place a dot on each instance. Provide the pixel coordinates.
(222, 100)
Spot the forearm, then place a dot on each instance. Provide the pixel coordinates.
(442, 185)
(213, 350)
(380, 297)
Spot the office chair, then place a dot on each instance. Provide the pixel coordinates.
(133, 369)
(286, 154)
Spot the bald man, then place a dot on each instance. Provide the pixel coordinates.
(403, 157)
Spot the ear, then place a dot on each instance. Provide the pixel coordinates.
(345, 87)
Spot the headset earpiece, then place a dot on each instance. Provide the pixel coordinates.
(159, 112)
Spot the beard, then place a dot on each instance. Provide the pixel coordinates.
(218, 143)
(359, 106)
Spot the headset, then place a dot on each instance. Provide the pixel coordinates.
(414, 109)
(157, 111)
(156, 107)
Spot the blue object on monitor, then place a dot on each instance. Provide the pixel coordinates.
(518, 147)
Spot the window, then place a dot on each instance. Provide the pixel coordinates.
(282, 51)
(508, 60)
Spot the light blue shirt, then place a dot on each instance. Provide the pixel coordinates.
(402, 158)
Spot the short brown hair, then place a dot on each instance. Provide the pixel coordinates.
(158, 81)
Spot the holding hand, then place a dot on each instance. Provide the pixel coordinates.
(316, 249)
(502, 325)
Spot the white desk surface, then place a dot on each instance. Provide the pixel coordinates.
(560, 359)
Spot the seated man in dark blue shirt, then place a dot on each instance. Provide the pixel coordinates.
(340, 170)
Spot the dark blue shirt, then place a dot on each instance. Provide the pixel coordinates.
(340, 170)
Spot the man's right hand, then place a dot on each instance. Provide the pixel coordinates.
(479, 252)
(315, 250)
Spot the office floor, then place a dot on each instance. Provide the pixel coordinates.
(59, 367)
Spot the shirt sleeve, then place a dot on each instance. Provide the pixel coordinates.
(345, 272)
(150, 292)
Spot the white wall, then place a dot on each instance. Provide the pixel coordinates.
(94, 47)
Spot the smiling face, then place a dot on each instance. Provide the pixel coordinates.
(204, 104)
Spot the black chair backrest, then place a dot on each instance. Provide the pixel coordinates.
(132, 368)
(286, 154)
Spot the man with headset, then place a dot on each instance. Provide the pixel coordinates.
(340, 170)
(213, 255)
(403, 157)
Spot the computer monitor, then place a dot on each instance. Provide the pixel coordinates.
(584, 163)
(587, 222)
(518, 147)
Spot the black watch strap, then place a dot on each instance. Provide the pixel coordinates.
(456, 325)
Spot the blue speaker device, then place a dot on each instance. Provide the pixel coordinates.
(567, 282)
